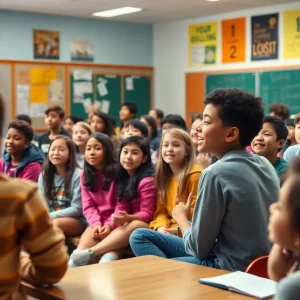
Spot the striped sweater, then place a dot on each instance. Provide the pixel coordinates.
(24, 222)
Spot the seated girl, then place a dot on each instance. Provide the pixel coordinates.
(80, 136)
(136, 193)
(21, 158)
(60, 185)
(152, 131)
(176, 179)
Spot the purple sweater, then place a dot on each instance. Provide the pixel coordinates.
(144, 205)
(98, 206)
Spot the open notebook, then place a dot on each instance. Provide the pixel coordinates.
(243, 283)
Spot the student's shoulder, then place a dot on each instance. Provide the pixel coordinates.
(43, 137)
(77, 173)
(195, 172)
(15, 189)
(289, 287)
(148, 180)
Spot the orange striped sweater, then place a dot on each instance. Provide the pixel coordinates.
(24, 222)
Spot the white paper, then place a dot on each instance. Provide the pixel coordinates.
(102, 89)
(22, 106)
(110, 76)
(198, 54)
(82, 74)
(56, 91)
(87, 104)
(129, 83)
(23, 88)
(81, 88)
(101, 79)
(105, 106)
(37, 110)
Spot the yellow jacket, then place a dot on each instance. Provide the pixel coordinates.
(163, 213)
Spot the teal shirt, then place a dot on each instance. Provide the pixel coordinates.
(280, 166)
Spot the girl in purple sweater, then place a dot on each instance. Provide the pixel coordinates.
(136, 198)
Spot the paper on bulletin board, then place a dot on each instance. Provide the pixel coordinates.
(203, 41)
(291, 34)
(37, 110)
(83, 74)
(105, 104)
(85, 87)
(129, 84)
(42, 76)
(56, 91)
(23, 77)
(22, 92)
(22, 106)
(234, 40)
(102, 89)
(87, 104)
(39, 94)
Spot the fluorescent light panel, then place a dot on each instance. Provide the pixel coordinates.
(117, 12)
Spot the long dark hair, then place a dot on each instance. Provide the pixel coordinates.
(151, 122)
(91, 180)
(49, 169)
(108, 125)
(127, 185)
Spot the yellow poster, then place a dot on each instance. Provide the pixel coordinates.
(42, 76)
(203, 40)
(39, 94)
(291, 31)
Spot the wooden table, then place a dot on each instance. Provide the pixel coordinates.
(143, 278)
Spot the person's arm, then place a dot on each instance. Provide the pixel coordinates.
(147, 195)
(32, 171)
(288, 288)
(192, 187)
(89, 207)
(199, 239)
(75, 208)
(47, 260)
(122, 209)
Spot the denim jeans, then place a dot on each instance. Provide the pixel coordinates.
(149, 242)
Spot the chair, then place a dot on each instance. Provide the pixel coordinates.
(258, 267)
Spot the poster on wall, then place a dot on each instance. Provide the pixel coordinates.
(203, 41)
(291, 34)
(234, 40)
(264, 37)
(45, 44)
(82, 50)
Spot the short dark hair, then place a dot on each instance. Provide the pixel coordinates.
(57, 109)
(280, 128)
(25, 118)
(131, 106)
(139, 125)
(159, 113)
(24, 127)
(108, 126)
(176, 120)
(280, 109)
(74, 119)
(290, 122)
(197, 117)
(240, 109)
(151, 122)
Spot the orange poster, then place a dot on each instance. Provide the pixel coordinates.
(234, 40)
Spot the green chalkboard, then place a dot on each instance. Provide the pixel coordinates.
(76, 106)
(281, 86)
(111, 93)
(244, 81)
(137, 89)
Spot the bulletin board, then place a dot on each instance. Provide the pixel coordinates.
(38, 86)
(30, 87)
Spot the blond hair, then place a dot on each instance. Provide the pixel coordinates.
(85, 126)
(164, 173)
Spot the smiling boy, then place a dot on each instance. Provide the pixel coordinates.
(269, 142)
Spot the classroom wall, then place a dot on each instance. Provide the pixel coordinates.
(171, 55)
(117, 43)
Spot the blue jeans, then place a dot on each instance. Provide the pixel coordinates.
(149, 242)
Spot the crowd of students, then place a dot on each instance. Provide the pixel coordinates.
(152, 187)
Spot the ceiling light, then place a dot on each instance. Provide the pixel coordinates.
(117, 12)
(212, 0)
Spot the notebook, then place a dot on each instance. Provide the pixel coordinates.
(243, 283)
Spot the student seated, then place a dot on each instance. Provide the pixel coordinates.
(25, 224)
(229, 225)
(127, 112)
(21, 158)
(157, 114)
(284, 233)
(54, 118)
(59, 183)
(171, 121)
(294, 150)
(136, 127)
(153, 137)
(269, 142)
(279, 111)
(28, 120)
(69, 122)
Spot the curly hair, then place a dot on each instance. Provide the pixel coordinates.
(23, 127)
